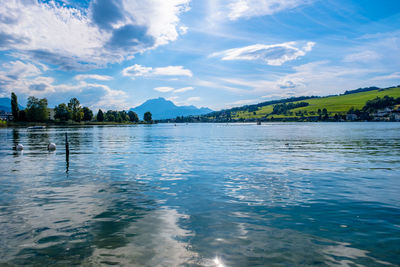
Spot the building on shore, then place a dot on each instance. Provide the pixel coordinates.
(6, 116)
(51, 114)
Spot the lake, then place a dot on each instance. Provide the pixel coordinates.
(278, 194)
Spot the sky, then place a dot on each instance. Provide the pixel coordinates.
(116, 54)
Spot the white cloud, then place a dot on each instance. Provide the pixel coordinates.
(184, 89)
(93, 77)
(274, 55)
(173, 71)
(183, 30)
(315, 78)
(19, 70)
(243, 102)
(218, 85)
(108, 31)
(111, 99)
(23, 77)
(235, 9)
(141, 71)
(160, 16)
(193, 99)
(366, 56)
(164, 89)
(393, 76)
(26, 79)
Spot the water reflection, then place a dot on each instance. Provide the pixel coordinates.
(154, 239)
(15, 137)
(94, 224)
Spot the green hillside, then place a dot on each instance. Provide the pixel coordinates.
(334, 104)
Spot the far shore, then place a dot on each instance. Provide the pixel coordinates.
(96, 123)
(70, 123)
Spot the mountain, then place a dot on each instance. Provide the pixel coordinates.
(161, 109)
(5, 104)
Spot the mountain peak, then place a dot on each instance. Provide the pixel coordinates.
(5, 104)
(162, 108)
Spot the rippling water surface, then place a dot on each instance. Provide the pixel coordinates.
(279, 194)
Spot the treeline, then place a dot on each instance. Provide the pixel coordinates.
(37, 111)
(359, 90)
(374, 105)
(380, 103)
(225, 113)
(72, 111)
(284, 108)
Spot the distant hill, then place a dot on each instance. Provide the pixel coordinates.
(5, 104)
(338, 104)
(161, 109)
(335, 104)
(359, 90)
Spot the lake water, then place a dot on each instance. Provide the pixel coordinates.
(279, 194)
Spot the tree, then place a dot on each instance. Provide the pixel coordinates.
(87, 114)
(14, 106)
(325, 113)
(36, 109)
(109, 116)
(123, 116)
(22, 115)
(43, 110)
(62, 112)
(100, 115)
(75, 107)
(336, 117)
(147, 117)
(133, 117)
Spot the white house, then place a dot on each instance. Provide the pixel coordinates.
(51, 114)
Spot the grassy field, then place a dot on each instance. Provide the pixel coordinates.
(334, 104)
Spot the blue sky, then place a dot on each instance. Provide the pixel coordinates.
(116, 54)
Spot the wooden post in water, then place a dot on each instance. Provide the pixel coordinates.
(67, 151)
(66, 144)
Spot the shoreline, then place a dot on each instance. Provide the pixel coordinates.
(94, 123)
(30, 124)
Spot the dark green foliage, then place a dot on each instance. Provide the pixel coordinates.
(359, 90)
(75, 106)
(325, 115)
(14, 106)
(253, 108)
(380, 103)
(62, 112)
(87, 114)
(361, 114)
(110, 116)
(100, 115)
(336, 117)
(22, 115)
(36, 109)
(284, 108)
(116, 116)
(147, 117)
(123, 116)
(133, 117)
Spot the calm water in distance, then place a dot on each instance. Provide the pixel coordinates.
(279, 194)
